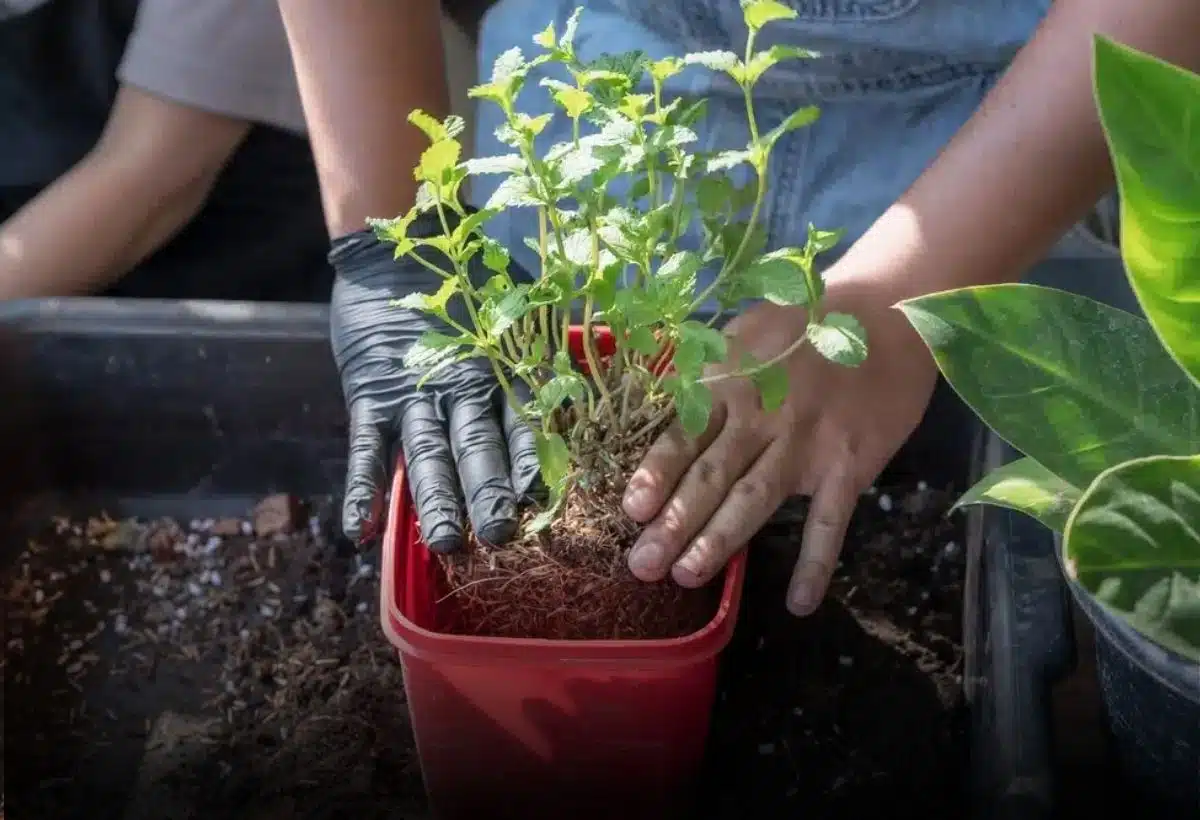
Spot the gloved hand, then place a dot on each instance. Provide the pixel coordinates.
(461, 440)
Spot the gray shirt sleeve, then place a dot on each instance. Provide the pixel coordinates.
(229, 57)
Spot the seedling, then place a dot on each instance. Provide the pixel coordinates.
(615, 259)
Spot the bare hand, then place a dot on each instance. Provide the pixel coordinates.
(705, 499)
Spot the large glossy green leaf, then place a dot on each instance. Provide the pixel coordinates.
(1074, 384)
(1151, 114)
(1133, 542)
(1027, 487)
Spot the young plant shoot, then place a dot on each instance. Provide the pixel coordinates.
(612, 204)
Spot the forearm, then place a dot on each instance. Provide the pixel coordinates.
(362, 66)
(89, 228)
(1029, 163)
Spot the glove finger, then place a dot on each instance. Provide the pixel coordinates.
(526, 477)
(429, 466)
(483, 469)
(366, 473)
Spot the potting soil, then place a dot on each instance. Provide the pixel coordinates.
(236, 669)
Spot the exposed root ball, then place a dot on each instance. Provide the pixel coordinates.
(571, 583)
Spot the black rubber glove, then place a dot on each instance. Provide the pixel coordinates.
(461, 440)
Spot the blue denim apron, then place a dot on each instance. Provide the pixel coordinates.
(896, 80)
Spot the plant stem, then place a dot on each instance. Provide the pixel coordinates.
(758, 368)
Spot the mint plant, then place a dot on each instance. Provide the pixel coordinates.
(614, 261)
(1105, 405)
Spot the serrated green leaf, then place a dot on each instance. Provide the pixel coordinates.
(554, 458)
(757, 13)
(438, 160)
(776, 277)
(772, 384)
(1074, 384)
(725, 160)
(693, 404)
(495, 256)
(547, 37)
(1133, 543)
(1150, 111)
(516, 191)
(799, 118)
(713, 195)
(500, 314)
(666, 68)
(505, 164)
(636, 307)
(840, 338)
(567, 41)
(1026, 487)
(821, 241)
(429, 126)
(764, 60)
(508, 66)
(432, 347)
(642, 340)
(431, 303)
(575, 101)
(714, 60)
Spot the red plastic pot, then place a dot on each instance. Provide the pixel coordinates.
(539, 728)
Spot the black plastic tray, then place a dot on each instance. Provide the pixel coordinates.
(200, 409)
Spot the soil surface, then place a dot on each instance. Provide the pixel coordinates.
(236, 669)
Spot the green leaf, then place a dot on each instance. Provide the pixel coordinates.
(693, 403)
(764, 60)
(1026, 487)
(772, 384)
(495, 256)
(820, 241)
(840, 338)
(1074, 384)
(506, 164)
(642, 340)
(568, 385)
(636, 307)
(431, 303)
(501, 314)
(674, 285)
(554, 458)
(546, 38)
(698, 345)
(431, 348)
(1133, 543)
(665, 68)
(713, 195)
(1151, 114)
(725, 61)
(438, 160)
(799, 118)
(725, 160)
(516, 191)
(758, 13)
(429, 126)
(776, 277)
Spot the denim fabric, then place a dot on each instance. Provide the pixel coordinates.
(896, 80)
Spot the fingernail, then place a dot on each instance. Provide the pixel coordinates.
(647, 558)
(686, 572)
(636, 499)
(802, 598)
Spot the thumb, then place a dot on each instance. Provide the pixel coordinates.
(366, 472)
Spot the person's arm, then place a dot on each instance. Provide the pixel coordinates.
(194, 78)
(1026, 166)
(146, 178)
(362, 66)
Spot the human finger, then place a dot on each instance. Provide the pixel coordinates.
(664, 465)
(702, 490)
(429, 466)
(750, 502)
(825, 528)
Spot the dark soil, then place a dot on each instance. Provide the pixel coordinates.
(857, 709)
(235, 697)
(569, 583)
